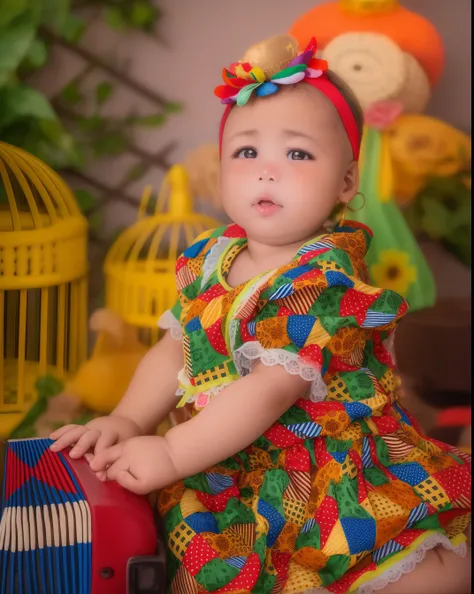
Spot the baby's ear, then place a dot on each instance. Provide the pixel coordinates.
(350, 185)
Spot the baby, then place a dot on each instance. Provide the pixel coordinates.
(299, 470)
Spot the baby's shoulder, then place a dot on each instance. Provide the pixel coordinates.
(204, 243)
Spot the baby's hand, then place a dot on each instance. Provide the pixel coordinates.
(141, 464)
(98, 434)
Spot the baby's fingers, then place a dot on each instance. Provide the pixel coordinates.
(67, 439)
(62, 431)
(85, 442)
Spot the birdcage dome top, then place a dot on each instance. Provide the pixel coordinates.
(164, 229)
(32, 195)
(43, 235)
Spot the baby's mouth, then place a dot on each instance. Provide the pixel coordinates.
(266, 206)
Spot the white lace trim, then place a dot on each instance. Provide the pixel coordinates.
(212, 258)
(409, 563)
(168, 322)
(246, 355)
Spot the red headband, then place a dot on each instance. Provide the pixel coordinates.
(325, 86)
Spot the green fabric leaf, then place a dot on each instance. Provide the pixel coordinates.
(289, 71)
(245, 93)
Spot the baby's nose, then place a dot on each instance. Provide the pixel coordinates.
(270, 173)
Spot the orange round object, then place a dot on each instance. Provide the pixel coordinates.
(411, 32)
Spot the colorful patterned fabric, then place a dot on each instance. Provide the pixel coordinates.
(343, 486)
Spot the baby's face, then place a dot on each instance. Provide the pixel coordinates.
(286, 161)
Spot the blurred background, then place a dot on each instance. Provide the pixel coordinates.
(111, 93)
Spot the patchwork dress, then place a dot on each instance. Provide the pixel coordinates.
(343, 492)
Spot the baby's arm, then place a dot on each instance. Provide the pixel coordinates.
(233, 419)
(148, 399)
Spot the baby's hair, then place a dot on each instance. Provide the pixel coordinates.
(350, 98)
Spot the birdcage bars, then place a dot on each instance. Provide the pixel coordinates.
(140, 265)
(43, 280)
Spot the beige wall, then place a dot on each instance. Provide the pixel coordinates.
(202, 36)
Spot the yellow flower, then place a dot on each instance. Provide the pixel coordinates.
(394, 272)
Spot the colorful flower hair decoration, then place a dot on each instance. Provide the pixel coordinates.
(242, 79)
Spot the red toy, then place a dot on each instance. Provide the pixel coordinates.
(64, 531)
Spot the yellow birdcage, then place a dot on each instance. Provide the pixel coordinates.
(43, 281)
(140, 265)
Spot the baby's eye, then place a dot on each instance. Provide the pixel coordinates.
(246, 153)
(296, 155)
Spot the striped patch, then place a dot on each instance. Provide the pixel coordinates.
(396, 447)
(312, 247)
(374, 319)
(184, 582)
(366, 457)
(218, 482)
(416, 514)
(305, 430)
(301, 301)
(390, 547)
(184, 277)
(282, 292)
(237, 562)
(462, 502)
(311, 523)
(300, 485)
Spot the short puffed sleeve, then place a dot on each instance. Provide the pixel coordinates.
(188, 276)
(291, 318)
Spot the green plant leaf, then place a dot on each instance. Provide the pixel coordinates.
(137, 172)
(114, 143)
(143, 15)
(10, 9)
(71, 93)
(73, 28)
(103, 92)
(22, 101)
(85, 199)
(95, 222)
(15, 41)
(54, 13)
(115, 19)
(36, 56)
(436, 220)
(91, 124)
(173, 107)
(150, 121)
